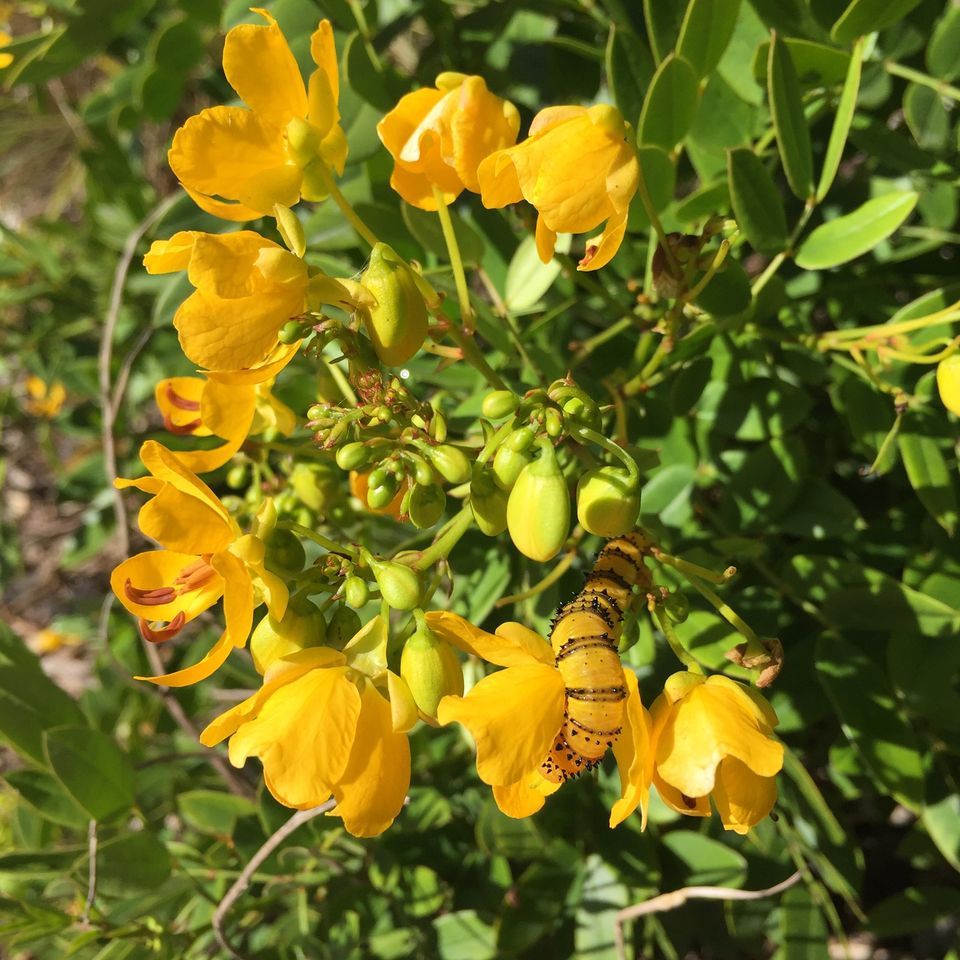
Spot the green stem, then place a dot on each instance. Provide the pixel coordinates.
(774, 265)
(924, 79)
(721, 255)
(884, 330)
(560, 568)
(585, 433)
(725, 611)
(472, 354)
(679, 650)
(317, 538)
(637, 383)
(346, 208)
(364, 31)
(651, 212)
(688, 568)
(490, 447)
(442, 546)
(456, 263)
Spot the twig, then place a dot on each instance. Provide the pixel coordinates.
(105, 355)
(120, 386)
(243, 881)
(92, 872)
(677, 898)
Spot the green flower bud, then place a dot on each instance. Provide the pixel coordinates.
(380, 495)
(608, 501)
(629, 633)
(507, 464)
(355, 591)
(438, 427)
(377, 477)
(521, 439)
(450, 462)
(397, 325)
(538, 511)
(488, 501)
(285, 555)
(290, 332)
(499, 404)
(343, 626)
(237, 476)
(302, 626)
(677, 607)
(426, 505)
(553, 422)
(431, 669)
(399, 584)
(352, 456)
(424, 474)
(315, 485)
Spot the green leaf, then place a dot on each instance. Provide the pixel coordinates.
(528, 278)
(926, 117)
(697, 859)
(629, 70)
(47, 796)
(846, 107)
(533, 909)
(663, 25)
(41, 863)
(942, 822)
(94, 770)
(602, 895)
(870, 718)
(855, 234)
(670, 106)
(756, 203)
(913, 910)
(728, 293)
(502, 835)
(943, 50)
(425, 226)
(30, 703)
(133, 860)
(462, 935)
(816, 64)
(793, 135)
(865, 16)
(212, 811)
(803, 931)
(705, 32)
(666, 495)
(930, 477)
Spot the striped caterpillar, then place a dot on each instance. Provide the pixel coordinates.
(584, 638)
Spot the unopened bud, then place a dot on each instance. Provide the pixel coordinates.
(608, 501)
(499, 404)
(431, 669)
(538, 511)
(438, 427)
(450, 462)
(397, 325)
(677, 607)
(399, 584)
(290, 332)
(302, 626)
(285, 555)
(948, 383)
(488, 501)
(426, 505)
(290, 229)
(355, 592)
(380, 495)
(343, 626)
(352, 456)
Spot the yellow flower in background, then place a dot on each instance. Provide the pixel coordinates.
(232, 409)
(204, 557)
(50, 640)
(5, 58)
(44, 400)
(236, 163)
(322, 728)
(579, 168)
(516, 714)
(713, 738)
(438, 137)
(948, 383)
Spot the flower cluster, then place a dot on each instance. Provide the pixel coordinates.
(330, 720)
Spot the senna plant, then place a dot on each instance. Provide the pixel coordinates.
(451, 341)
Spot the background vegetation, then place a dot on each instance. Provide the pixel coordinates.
(826, 476)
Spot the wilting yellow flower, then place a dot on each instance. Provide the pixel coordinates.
(713, 737)
(515, 716)
(5, 58)
(205, 557)
(322, 728)
(257, 157)
(948, 383)
(438, 136)
(233, 409)
(44, 400)
(579, 168)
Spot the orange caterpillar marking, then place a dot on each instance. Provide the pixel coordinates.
(584, 640)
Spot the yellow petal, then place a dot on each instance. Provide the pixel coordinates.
(497, 177)
(552, 116)
(333, 150)
(231, 153)
(303, 734)
(178, 399)
(513, 716)
(546, 241)
(682, 803)
(237, 596)
(948, 383)
(160, 568)
(396, 128)
(168, 256)
(634, 757)
(225, 264)
(512, 646)
(751, 699)
(600, 250)
(524, 797)
(224, 209)
(374, 784)
(324, 55)
(259, 65)
(214, 658)
(322, 112)
(227, 409)
(403, 708)
(163, 465)
(184, 523)
(743, 799)
(275, 362)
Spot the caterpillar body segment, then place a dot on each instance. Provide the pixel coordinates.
(584, 640)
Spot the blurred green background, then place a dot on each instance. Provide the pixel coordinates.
(832, 489)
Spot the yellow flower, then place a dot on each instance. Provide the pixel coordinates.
(5, 58)
(50, 640)
(44, 400)
(515, 715)
(233, 408)
(579, 168)
(438, 137)
(948, 383)
(322, 728)
(713, 737)
(255, 158)
(205, 557)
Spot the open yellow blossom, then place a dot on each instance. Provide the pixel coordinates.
(236, 163)
(713, 738)
(438, 137)
(579, 168)
(204, 557)
(516, 714)
(322, 728)
(44, 400)
(242, 405)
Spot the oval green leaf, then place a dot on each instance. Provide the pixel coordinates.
(930, 477)
(705, 32)
(943, 51)
(671, 104)
(926, 117)
(789, 122)
(853, 235)
(629, 70)
(817, 65)
(866, 16)
(841, 121)
(756, 203)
